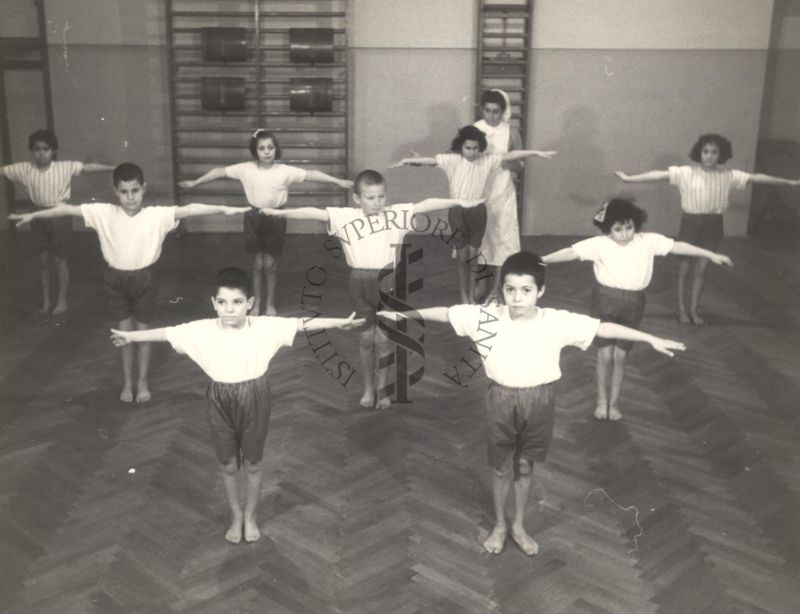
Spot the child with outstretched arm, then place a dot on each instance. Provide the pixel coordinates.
(368, 234)
(520, 345)
(235, 351)
(131, 237)
(623, 266)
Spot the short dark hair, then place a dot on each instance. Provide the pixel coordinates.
(234, 278)
(723, 144)
(494, 96)
(469, 133)
(523, 263)
(621, 210)
(127, 171)
(367, 178)
(45, 136)
(262, 134)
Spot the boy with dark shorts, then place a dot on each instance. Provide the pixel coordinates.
(368, 235)
(520, 346)
(235, 351)
(131, 237)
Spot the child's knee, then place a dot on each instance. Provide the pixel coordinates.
(252, 468)
(258, 262)
(268, 263)
(620, 355)
(367, 339)
(231, 467)
(505, 470)
(524, 468)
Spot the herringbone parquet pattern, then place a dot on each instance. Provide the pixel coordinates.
(688, 505)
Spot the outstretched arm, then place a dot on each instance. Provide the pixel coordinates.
(770, 180)
(433, 204)
(197, 209)
(343, 323)
(609, 330)
(124, 337)
(568, 254)
(643, 177)
(680, 248)
(300, 213)
(61, 210)
(94, 167)
(431, 314)
(414, 161)
(325, 178)
(212, 175)
(519, 154)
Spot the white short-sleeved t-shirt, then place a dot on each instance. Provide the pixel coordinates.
(522, 353)
(467, 179)
(266, 188)
(629, 266)
(368, 240)
(706, 191)
(129, 242)
(46, 188)
(230, 355)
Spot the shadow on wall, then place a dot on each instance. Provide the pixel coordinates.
(443, 122)
(580, 165)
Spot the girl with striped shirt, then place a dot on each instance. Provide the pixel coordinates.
(468, 169)
(704, 190)
(47, 182)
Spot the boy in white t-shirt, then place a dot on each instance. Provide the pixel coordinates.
(235, 351)
(520, 346)
(131, 237)
(369, 235)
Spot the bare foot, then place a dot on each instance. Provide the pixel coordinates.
(234, 533)
(383, 403)
(59, 309)
(601, 412)
(614, 414)
(251, 531)
(142, 392)
(496, 540)
(271, 311)
(367, 399)
(45, 309)
(526, 543)
(696, 319)
(126, 396)
(683, 318)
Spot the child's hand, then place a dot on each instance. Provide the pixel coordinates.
(267, 211)
(547, 154)
(469, 204)
(186, 184)
(345, 183)
(398, 164)
(352, 322)
(621, 175)
(392, 316)
(119, 337)
(666, 345)
(230, 210)
(20, 218)
(721, 259)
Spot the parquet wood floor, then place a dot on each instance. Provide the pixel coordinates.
(690, 504)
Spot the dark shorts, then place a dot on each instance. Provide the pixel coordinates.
(702, 230)
(263, 233)
(238, 418)
(520, 422)
(467, 225)
(53, 234)
(131, 293)
(619, 306)
(365, 294)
